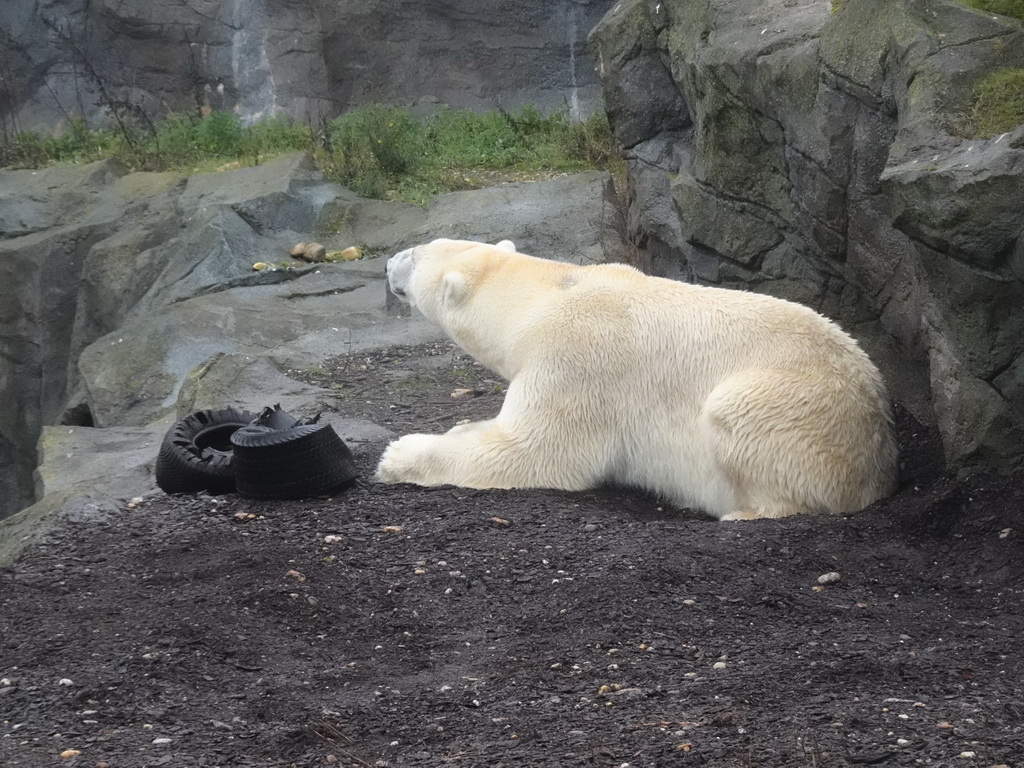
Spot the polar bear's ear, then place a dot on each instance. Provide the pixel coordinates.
(506, 245)
(453, 288)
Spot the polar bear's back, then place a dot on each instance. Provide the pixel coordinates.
(755, 376)
(710, 332)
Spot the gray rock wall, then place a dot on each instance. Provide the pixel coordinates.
(776, 146)
(51, 220)
(129, 299)
(308, 58)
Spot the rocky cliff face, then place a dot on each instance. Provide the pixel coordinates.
(306, 58)
(780, 147)
(129, 299)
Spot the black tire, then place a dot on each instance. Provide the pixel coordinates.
(197, 455)
(276, 419)
(306, 460)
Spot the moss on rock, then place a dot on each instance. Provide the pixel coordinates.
(1012, 8)
(1000, 103)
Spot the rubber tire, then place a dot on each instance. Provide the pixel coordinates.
(278, 420)
(196, 453)
(306, 460)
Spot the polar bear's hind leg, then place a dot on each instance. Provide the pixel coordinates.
(794, 442)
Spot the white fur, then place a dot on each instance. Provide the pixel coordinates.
(737, 403)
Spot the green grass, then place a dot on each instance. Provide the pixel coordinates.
(178, 142)
(384, 152)
(1013, 8)
(999, 104)
(379, 151)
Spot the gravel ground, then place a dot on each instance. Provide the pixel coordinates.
(400, 626)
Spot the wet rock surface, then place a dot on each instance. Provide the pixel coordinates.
(129, 299)
(821, 153)
(311, 60)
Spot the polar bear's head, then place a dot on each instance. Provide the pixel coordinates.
(437, 275)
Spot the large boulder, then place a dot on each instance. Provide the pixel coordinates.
(84, 246)
(817, 152)
(127, 300)
(308, 59)
(51, 222)
(205, 315)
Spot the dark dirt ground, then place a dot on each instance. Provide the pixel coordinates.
(579, 629)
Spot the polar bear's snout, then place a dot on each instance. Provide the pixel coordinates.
(399, 272)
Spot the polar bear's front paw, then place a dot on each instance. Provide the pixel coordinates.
(408, 460)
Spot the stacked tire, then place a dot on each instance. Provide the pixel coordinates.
(269, 456)
(301, 460)
(196, 453)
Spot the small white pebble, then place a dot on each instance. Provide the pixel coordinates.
(901, 742)
(65, 682)
(719, 665)
(967, 755)
(331, 539)
(1005, 533)
(831, 577)
(689, 602)
(163, 740)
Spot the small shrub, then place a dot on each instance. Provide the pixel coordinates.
(279, 134)
(24, 151)
(176, 136)
(183, 140)
(467, 139)
(77, 144)
(220, 134)
(376, 141)
(999, 105)
(592, 142)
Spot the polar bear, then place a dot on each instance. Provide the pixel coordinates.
(743, 405)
